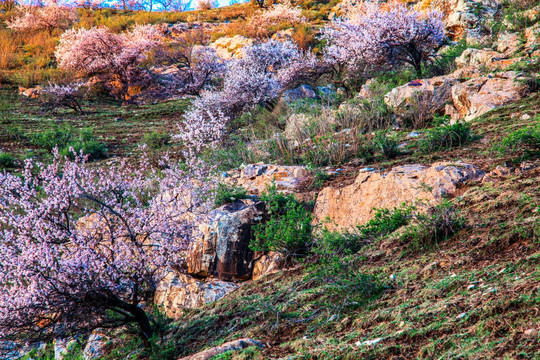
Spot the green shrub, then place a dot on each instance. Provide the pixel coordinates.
(66, 138)
(289, 229)
(528, 138)
(6, 160)
(387, 143)
(384, 222)
(156, 140)
(226, 194)
(438, 223)
(446, 137)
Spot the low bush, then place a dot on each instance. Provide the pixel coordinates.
(527, 139)
(6, 160)
(67, 140)
(156, 140)
(226, 194)
(446, 137)
(439, 222)
(387, 143)
(289, 229)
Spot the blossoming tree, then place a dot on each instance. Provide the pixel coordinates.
(257, 78)
(116, 57)
(48, 17)
(372, 38)
(83, 248)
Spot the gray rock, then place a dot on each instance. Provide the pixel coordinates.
(300, 93)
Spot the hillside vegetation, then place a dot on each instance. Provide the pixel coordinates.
(286, 176)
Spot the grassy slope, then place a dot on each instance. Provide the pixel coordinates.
(472, 296)
(120, 128)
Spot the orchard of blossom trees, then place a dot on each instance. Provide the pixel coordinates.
(83, 248)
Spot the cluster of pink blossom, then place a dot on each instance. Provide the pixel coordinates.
(48, 17)
(84, 247)
(116, 57)
(373, 39)
(284, 12)
(259, 77)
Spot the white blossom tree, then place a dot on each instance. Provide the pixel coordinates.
(374, 38)
(48, 17)
(84, 248)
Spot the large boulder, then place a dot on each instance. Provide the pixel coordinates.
(480, 95)
(300, 93)
(229, 346)
(477, 57)
(430, 94)
(256, 178)
(222, 250)
(179, 291)
(231, 47)
(355, 204)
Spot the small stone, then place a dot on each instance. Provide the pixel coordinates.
(472, 286)
(529, 331)
(368, 342)
(413, 134)
(525, 117)
(461, 316)
(392, 277)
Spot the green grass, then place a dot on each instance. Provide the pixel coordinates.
(25, 129)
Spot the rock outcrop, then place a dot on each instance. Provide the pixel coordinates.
(355, 204)
(230, 346)
(222, 250)
(256, 178)
(179, 291)
(480, 95)
(231, 47)
(430, 94)
(300, 93)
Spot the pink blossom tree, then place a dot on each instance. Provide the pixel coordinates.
(48, 17)
(257, 78)
(84, 248)
(115, 57)
(371, 39)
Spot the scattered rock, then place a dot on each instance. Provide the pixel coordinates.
(368, 342)
(256, 178)
(179, 291)
(222, 250)
(529, 332)
(230, 346)
(94, 346)
(461, 316)
(267, 264)
(354, 204)
(507, 42)
(62, 347)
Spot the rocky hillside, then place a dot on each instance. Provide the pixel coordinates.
(393, 218)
